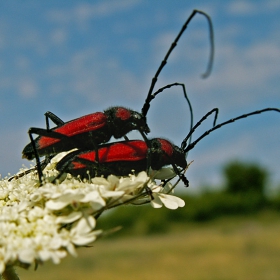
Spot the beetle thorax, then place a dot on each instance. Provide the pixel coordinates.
(122, 120)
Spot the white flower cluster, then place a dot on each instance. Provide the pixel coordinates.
(47, 222)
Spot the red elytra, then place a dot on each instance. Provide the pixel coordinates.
(83, 124)
(78, 165)
(122, 151)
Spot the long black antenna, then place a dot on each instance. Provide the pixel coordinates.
(192, 145)
(173, 45)
(185, 95)
(189, 136)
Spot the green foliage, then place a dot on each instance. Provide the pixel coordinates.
(274, 202)
(144, 220)
(243, 195)
(244, 178)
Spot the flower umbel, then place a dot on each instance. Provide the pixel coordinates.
(48, 222)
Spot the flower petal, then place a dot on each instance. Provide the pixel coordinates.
(164, 173)
(156, 202)
(72, 217)
(171, 202)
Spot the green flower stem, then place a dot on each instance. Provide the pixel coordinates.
(10, 273)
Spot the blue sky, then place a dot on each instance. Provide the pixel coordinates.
(78, 57)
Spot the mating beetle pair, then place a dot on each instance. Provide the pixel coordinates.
(91, 131)
(90, 134)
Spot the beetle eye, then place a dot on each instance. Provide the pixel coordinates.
(137, 116)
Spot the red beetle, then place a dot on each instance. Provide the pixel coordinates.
(120, 158)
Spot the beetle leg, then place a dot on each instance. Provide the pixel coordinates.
(182, 176)
(56, 120)
(42, 132)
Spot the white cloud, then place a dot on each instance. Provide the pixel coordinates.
(22, 63)
(273, 4)
(85, 11)
(252, 7)
(242, 7)
(59, 36)
(27, 87)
